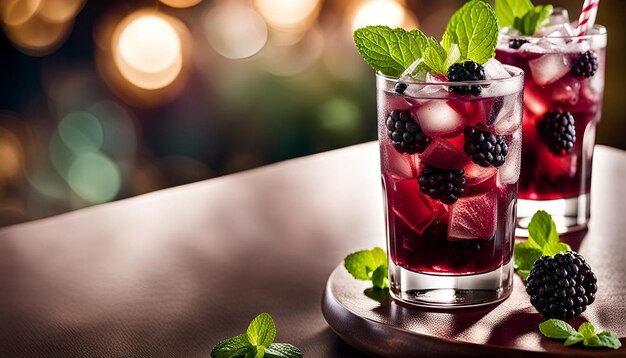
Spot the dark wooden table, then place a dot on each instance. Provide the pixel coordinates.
(169, 274)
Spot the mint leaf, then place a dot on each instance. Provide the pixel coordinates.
(435, 56)
(261, 331)
(587, 330)
(379, 277)
(552, 249)
(282, 350)
(474, 27)
(362, 264)
(256, 352)
(525, 254)
(232, 347)
(508, 10)
(605, 339)
(532, 20)
(542, 229)
(555, 328)
(387, 50)
(571, 340)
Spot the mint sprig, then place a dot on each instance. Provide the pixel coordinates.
(474, 27)
(369, 265)
(522, 16)
(471, 34)
(257, 342)
(543, 240)
(557, 329)
(387, 50)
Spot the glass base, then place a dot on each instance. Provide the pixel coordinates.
(569, 215)
(447, 291)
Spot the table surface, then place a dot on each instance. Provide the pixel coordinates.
(171, 273)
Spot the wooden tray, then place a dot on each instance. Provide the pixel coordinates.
(376, 324)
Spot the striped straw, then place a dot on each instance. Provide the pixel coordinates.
(587, 17)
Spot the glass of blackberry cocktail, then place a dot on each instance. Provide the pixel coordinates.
(450, 162)
(562, 107)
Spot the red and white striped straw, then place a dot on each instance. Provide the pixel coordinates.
(587, 17)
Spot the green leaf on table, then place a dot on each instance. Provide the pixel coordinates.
(542, 229)
(557, 329)
(474, 28)
(605, 339)
(379, 277)
(257, 342)
(261, 331)
(232, 347)
(388, 50)
(543, 240)
(282, 350)
(508, 10)
(369, 265)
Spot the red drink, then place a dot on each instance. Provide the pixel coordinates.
(471, 231)
(560, 179)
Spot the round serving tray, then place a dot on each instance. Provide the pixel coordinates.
(371, 321)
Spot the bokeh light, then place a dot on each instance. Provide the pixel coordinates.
(235, 30)
(379, 12)
(17, 12)
(147, 51)
(59, 11)
(180, 4)
(81, 132)
(287, 13)
(94, 177)
(11, 155)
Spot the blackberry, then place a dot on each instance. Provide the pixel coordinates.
(517, 43)
(400, 87)
(466, 71)
(446, 185)
(405, 133)
(558, 132)
(484, 147)
(586, 65)
(561, 286)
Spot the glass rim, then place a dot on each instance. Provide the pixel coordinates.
(516, 73)
(597, 31)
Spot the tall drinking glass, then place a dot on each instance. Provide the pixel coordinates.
(562, 108)
(450, 222)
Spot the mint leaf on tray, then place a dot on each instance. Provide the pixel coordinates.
(557, 329)
(257, 342)
(368, 265)
(543, 240)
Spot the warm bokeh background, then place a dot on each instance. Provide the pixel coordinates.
(102, 100)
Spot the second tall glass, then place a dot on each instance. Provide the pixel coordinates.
(562, 107)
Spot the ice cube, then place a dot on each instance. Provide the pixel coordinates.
(558, 30)
(593, 87)
(437, 118)
(509, 172)
(557, 166)
(393, 102)
(429, 91)
(443, 154)
(473, 217)
(541, 46)
(495, 70)
(415, 71)
(399, 165)
(475, 174)
(413, 207)
(549, 68)
(534, 102)
(566, 91)
(508, 119)
(559, 16)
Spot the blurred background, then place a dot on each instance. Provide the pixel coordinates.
(103, 100)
